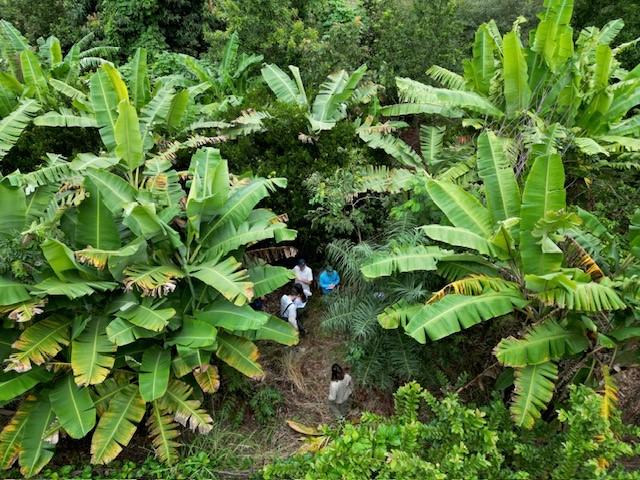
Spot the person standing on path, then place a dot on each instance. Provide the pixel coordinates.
(340, 391)
(304, 276)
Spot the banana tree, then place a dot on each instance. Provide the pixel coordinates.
(575, 90)
(515, 254)
(222, 85)
(339, 91)
(33, 81)
(142, 290)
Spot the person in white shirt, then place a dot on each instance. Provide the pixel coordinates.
(289, 308)
(304, 276)
(340, 391)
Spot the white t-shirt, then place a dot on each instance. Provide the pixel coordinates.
(340, 390)
(303, 276)
(288, 310)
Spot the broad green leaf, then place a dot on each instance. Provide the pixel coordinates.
(12, 433)
(232, 317)
(140, 88)
(73, 406)
(496, 172)
(96, 224)
(194, 334)
(228, 277)
(460, 207)
(91, 353)
(128, 136)
(154, 373)
(554, 35)
(12, 292)
(406, 259)
(13, 384)
(121, 332)
(267, 278)
(39, 342)
(517, 93)
(281, 84)
(59, 257)
(116, 193)
(117, 425)
(163, 432)
(240, 354)
(13, 209)
(148, 317)
(545, 342)
(36, 450)
(33, 76)
(543, 192)
(534, 390)
(277, 330)
(104, 101)
(459, 237)
(186, 411)
(457, 312)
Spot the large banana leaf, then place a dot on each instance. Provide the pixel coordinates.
(36, 449)
(59, 257)
(459, 237)
(11, 44)
(73, 288)
(281, 84)
(240, 354)
(231, 317)
(163, 431)
(39, 342)
(431, 143)
(96, 224)
(148, 317)
(460, 207)
(121, 332)
(73, 406)
(242, 202)
(495, 170)
(104, 101)
(66, 118)
(543, 192)
(33, 77)
(584, 297)
(228, 277)
(545, 342)
(13, 209)
(405, 259)
(128, 138)
(157, 109)
(154, 373)
(117, 425)
(208, 378)
(186, 411)
(517, 93)
(267, 278)
(194, 334)
(13, 384)
(327, 107)
(392, 145)
(482, 68)
(534, 390)
(140, 88)
(12, 292)
(554, 35)
(12, 126)
(178, 109)
(456, 312)
(115, 191)
(446, 100)
(12, 433)
(91, 353)
(275, 329)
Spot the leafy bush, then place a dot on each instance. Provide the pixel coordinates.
(450, 440)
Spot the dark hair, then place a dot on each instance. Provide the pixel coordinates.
(337, 373)
(298, 288)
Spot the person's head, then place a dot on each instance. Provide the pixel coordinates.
(302, 264)
(329, 269)
(294, 291)
(298, 289)
(337, 373)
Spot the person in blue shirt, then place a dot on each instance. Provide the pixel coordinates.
(329, 280)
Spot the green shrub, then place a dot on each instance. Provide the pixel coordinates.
(448, 439)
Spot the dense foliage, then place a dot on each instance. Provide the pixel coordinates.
(482, 213)
(458, 441)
